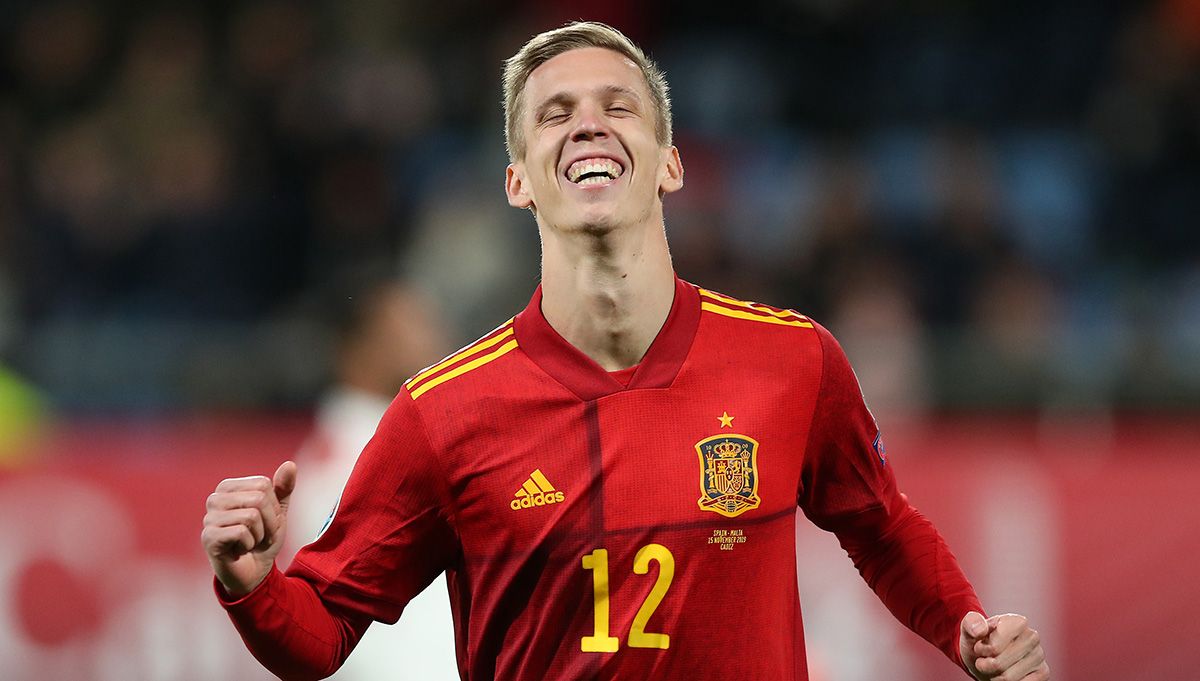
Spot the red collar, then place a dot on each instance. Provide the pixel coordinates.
(588, 380)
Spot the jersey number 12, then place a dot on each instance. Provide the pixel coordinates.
(597, 562)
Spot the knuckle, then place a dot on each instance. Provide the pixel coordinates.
(1035, 637)
(254, 482)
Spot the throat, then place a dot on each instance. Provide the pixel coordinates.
(613, 334)
(607, 294)
(614, 321)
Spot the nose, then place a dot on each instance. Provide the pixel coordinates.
(590, 125)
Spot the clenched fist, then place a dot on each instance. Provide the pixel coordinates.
(245, 526)
(1002, 648)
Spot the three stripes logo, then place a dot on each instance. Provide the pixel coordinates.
(536, 491)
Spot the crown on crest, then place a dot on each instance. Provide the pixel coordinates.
(728, 449)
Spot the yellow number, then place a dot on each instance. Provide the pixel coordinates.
(638, 638)
(597, 562)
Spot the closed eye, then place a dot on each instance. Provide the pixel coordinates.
(554, 116)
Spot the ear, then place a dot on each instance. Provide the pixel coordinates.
(672, 177)
(514, 186)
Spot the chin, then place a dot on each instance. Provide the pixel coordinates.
(599, 225)
(593, 221)
(597, 228)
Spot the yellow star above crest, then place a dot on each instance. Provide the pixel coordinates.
(725, 419)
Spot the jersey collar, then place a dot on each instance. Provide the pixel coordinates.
(588, 380)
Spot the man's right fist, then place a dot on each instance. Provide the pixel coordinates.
(245, 526)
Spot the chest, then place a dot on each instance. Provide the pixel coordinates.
(711, 451)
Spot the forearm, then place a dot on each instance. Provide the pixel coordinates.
(910, 567)
(287, 627)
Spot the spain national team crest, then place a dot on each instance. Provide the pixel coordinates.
(728, 474)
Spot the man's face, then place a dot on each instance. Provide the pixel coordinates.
(591, 161)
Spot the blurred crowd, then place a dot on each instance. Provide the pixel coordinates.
(992, 204)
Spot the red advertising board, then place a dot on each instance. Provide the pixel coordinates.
(1090, 529)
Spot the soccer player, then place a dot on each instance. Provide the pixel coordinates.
(610, 479)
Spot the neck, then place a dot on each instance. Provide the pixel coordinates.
(608, 293)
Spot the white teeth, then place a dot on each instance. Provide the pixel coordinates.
(594, 165)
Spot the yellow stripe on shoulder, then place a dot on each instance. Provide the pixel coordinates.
(425, 387)
(752, 311)
(757, 307)
(738, 314)
(483, 344)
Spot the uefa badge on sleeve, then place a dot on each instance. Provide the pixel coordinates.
(880, 451)
(728, 474)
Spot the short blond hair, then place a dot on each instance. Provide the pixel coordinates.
(575, 35)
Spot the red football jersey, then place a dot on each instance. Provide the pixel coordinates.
(593, 529)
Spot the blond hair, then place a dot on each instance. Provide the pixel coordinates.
(578, 34)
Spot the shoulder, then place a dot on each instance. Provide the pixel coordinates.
(760, 328)
(468, 367)
(721, 305)
(749, 318)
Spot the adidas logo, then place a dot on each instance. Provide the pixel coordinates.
(537, 491)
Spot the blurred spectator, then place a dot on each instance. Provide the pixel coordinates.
(1148, 120)
(176, 178)
(56, 52)
(875, 319)
(471, 252)
(385, 331)
(1006, 356)
(964, 236)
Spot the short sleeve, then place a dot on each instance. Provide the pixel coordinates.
(391, 533)
(845, 480)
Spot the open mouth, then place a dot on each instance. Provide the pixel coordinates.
(593, 171)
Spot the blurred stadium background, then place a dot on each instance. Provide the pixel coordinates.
(995, 206)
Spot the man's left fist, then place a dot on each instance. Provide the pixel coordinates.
(1002, 648)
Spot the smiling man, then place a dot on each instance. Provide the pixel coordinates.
(609, 479)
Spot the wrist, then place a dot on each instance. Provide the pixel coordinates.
(232, 588)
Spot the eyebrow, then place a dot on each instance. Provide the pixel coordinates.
(567, 98)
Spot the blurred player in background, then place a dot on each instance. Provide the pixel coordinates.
(610, 479)
(384, 331)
